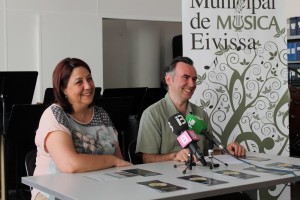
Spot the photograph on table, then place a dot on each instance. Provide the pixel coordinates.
(161, 186)
(236, 174)
(203, 180)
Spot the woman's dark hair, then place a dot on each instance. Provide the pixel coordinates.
(171, 68)
(61, 76)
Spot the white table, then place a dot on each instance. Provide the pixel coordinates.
(82, 186)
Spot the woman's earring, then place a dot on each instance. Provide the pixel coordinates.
(66, 96)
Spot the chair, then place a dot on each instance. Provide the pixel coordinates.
(134, 158)
(30, 162)
(19, 140)
(177, 46)
(118, 109)
(151, 96)
(137, 92)
(30, 159)
(48, 97)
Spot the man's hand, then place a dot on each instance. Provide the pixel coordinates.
(182, 155)
(236, 149)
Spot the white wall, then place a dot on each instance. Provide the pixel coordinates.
(74, 36)
(154, 10)
(293, 8)
(135, 51)
(115, 53)
(3, 47)
(36, 34)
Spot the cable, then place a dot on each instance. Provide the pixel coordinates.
(272, 169)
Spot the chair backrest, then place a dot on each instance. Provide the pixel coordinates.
(118, 109)
(137, 92)
(48, 97)
(30, 159)
(133, 157)
(151, 96)
(19, 140)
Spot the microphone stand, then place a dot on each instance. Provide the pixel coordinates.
(221, 161)
(210, 155)
(212, 165)
(189, 163)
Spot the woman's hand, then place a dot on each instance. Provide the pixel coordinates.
(121, 163)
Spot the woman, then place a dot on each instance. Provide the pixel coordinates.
(73, 134)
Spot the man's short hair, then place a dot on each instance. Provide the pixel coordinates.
(176, 60)
(171, 68)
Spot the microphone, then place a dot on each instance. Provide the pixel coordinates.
(197, 124)
(215, 141)
(186, 138)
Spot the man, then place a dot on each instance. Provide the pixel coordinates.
(156, 141)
